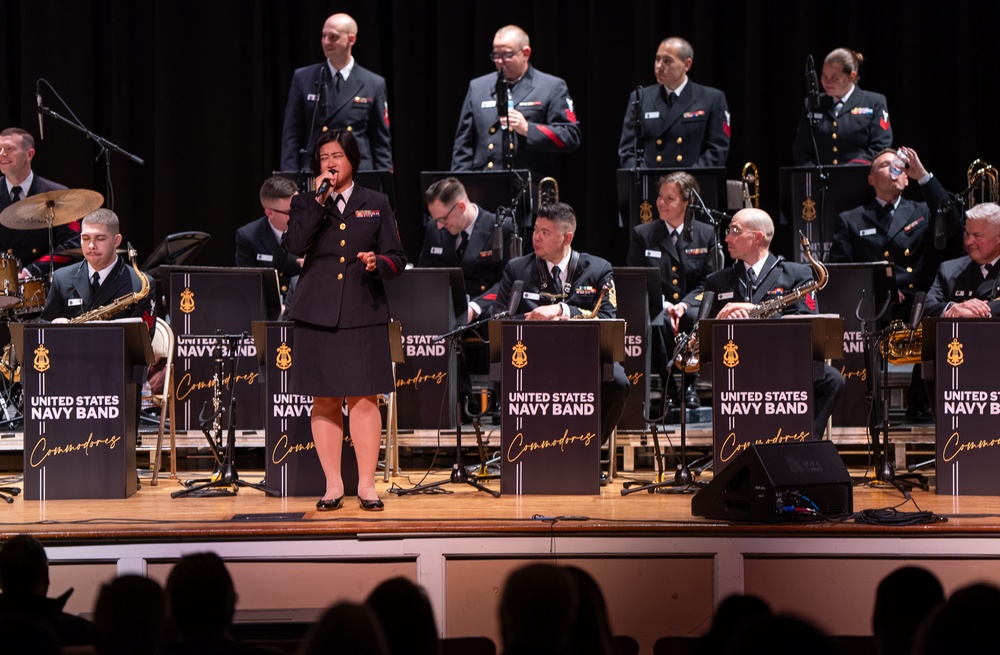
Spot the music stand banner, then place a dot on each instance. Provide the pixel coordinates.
(813, 210)
(204, 302)
(634, 308)
(291, 466)
(551, 387)
(79, 413)
(967, 408)
(763, 385)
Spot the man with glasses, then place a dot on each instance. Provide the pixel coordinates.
(258, 243)
(337, 93)
(683, 124)
(460, 235)
(541, 117)
(756, 276)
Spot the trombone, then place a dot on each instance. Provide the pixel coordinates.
(750, 177)
(982, 180)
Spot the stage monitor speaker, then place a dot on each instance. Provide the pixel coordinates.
(773, 483)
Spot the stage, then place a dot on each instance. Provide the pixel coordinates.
(661, 569)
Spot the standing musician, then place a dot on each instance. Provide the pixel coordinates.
(967, 287)
(18, 181)
(348, 236)
(337, 94)
(683, 123)
(683, 258)
(851, 124)
(103, 277)
(560, 283)
(757, 276)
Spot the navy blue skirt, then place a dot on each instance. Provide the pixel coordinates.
(335, 362)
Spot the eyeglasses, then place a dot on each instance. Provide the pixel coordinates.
(503, 56)
(736, 231)
(279, 211)
(444, 218)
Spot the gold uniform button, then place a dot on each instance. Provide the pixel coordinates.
(489, 147)
(350, 129)
(906, 253)
(342, 260)
(343, 226)
(659, 158)
(909, 269)
(493, 130)
(676, 281)
(325, 128)
(284, 288)
(677, 296)
(343, 243)
(489, 165)
(673, 269)
(340, 276)
(680, 140)
(834, 136)
(835, 123)
(835, 149)
(885, 254)
(835, 162)
(659, 142)
(34, 251)
(680, 158)
(911, 285)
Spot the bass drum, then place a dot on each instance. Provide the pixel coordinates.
(10, 288)
(32, 296)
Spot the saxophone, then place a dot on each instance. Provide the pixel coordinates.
(688, 359)
(12, 370)
(119, 304)
(607, 288)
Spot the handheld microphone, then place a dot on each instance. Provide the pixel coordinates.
(707, 300)
(637, 111)
(38, 99)
(688, 221)
(812, 84)
(324, 185)
(516, 291)
(501, 93)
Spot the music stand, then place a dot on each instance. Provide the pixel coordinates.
(176, 249)
(636, 186)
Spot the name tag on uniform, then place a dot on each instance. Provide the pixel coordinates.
(654, 253)
(815, 116)
(725, 296)
(959, 293)
(436, 250)
(527, 295)
(869, 232)
(310, 97)
(488, 104)
(652, 114)
(264, 257)
(74, 302)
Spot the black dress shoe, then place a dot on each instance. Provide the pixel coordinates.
(330, 505)
(371, 505)
(691, 400)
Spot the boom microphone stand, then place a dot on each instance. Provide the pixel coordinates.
(459, 475)
(228, 481)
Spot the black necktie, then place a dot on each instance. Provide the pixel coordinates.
(15, 194)
(338, 81)
(557, 279)
(675, 235)
(462, 243)
(95, 283)
(751, 275)
(888, 210)
(671, 99)
(988, 268)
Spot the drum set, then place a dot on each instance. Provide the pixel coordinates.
(22, 299)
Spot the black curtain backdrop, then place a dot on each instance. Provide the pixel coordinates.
(197, 88)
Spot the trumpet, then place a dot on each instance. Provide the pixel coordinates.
(749, 177)
(983, 183)
(548, 191)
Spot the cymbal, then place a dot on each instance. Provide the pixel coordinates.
(78, 252)
(61, 206)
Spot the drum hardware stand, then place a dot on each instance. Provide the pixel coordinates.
(11, 397)
(877, 365)
(684, 479)
(228, 481)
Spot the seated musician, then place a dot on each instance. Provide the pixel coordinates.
(101, 279)
(756, 276)
(560, 283)
(967, 287)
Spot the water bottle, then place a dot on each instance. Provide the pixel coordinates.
(898, 164)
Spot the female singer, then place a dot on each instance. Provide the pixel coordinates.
(851, 125)
(348, 236)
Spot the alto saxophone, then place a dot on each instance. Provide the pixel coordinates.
(607, 288)
(13, 373)
(688, 359)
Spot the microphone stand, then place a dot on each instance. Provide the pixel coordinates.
(812, 111)
(517, 194)
(459, 475)
(877, 365)
(305, 151)
(683, 481)
(638, 153)
(714, 218)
